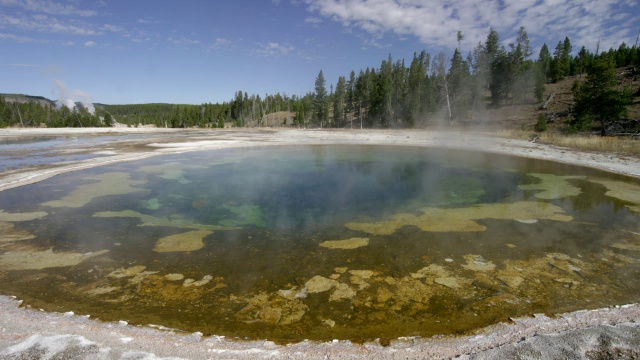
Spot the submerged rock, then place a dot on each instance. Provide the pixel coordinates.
(342, 292)
(174, 277)
(450, 282)
(347, 244)
(159, 287)
(189, 241)
(477, 263)
(128, 272)
(190, 282)
(431, 270)
(512, 281)
(318, 284)
(272, 309)
(365, 274)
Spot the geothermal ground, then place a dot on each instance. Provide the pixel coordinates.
(32, 155)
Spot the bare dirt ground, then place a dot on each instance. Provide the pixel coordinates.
(27, 333)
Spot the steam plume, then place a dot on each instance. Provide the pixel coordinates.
(69, 98)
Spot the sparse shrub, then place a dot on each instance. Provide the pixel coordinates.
(541, 125)
(575, 125)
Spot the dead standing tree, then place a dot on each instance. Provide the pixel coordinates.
(440, 67)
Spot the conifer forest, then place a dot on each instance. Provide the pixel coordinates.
(427, 89)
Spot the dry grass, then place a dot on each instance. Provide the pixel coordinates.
(621, 145)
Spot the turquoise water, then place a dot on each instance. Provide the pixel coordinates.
(323, 242)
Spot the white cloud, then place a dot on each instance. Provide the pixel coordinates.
(48, 7)
(111, 28)
(44, 23)
(437, 22)
(19, 65)
(181, 40)
(219, 42)
(313, 20)
(90, 44)
(16, 38)
(148, 20)
(274, 49)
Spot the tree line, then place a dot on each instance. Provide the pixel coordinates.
(35, 114)
(398, 94)
(438, 89)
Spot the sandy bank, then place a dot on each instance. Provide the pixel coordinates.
(27, 333)
(153, 142)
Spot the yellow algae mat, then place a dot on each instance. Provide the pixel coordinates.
(112, 183)
(463, 219)
(622, 191)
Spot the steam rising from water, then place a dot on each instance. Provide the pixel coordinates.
(70, 98)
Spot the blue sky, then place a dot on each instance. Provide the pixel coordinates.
(197, 51)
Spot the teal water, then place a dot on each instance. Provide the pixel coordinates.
(323, 242)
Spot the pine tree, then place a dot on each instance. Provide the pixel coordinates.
(414, 90)
(501, 77)
(351, 87)
(597, 100)
(565, 59)
(320, 115)
(339, 113)
(458, 86)
(582, 61)
(556, 68)
(544, 60)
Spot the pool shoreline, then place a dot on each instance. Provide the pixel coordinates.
(174, 141)
(23, 327)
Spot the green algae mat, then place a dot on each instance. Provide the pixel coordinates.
(323, 242)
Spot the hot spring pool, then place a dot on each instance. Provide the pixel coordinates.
(323, 242)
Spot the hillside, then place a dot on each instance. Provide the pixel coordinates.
(524, 116)
(21, 98)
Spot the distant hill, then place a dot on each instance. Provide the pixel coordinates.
(21, 98)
